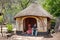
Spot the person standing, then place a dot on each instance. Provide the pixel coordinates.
(34, 30)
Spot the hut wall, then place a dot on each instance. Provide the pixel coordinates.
(45, 24)
(48, 24)
(42, 24)
(19, 24)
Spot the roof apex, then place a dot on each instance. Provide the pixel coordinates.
(34, 9)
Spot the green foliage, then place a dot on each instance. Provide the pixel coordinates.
(12, 7)
(15, 6)
(9, 27)
(24, 3)
(53, 6)
(53, 22)
(1, 19)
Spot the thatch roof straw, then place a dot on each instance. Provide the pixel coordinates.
(34, 9)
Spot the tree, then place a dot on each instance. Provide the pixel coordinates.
(57, 26)
(11, 7)
(52, 6)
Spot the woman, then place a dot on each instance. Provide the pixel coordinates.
(29, 31)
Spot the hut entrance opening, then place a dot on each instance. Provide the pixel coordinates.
(29, 23)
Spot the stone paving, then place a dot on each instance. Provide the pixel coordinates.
(26, 38)
(56, 36)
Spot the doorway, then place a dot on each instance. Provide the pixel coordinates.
(30, 21)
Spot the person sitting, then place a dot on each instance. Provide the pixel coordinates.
(29, 31)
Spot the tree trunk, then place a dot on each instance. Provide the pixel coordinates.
(57, 26)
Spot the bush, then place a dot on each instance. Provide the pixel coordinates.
(1, 19)
(9, 27)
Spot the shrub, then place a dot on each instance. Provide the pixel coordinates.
(9, 27)
(1, 19)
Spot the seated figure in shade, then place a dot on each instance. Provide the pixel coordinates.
(29, 31)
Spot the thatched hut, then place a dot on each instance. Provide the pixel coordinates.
(34, 14)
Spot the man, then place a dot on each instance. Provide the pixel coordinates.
(34, 30)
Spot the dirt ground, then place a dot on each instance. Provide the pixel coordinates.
(55, 36)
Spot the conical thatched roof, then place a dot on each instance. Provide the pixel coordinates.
(34, 10)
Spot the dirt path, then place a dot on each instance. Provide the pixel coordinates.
(56, 36)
